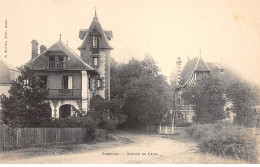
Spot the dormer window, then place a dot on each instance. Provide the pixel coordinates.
(95, 41)
(52, 58)
(60, 58)
(56, 62)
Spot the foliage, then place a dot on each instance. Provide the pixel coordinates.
(101, 135)
(225, 139)
(26, 106)
(142, 92)
(97, 118)
(207, 96)
(197, 130)
(183, 124)
(100, 112)
(243, 96)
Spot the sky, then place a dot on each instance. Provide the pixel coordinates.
(227, 30)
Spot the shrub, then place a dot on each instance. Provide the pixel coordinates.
(108, 125)
(226, 140)
(197, 130)
(98, 117)
(182, 124)
(100, 135)
(90, 124)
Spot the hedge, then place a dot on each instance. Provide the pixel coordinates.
(225, 139)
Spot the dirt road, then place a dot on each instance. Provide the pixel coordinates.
(129, 148)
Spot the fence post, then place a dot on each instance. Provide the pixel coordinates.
(172, 127)
(1, 136)
(160, 128)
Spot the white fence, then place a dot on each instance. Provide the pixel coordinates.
(169, 130)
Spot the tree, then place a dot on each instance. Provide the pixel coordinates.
(207, 96)
(100, 112)
(26, 106)
(243, 97)
(144, 93)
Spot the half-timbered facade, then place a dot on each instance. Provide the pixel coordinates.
(192, 71)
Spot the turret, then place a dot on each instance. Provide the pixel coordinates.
(95, 51)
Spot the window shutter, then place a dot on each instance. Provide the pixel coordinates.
(70, 82)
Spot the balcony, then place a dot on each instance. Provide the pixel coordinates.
(184, 107)
(59, 65)
(65, 93)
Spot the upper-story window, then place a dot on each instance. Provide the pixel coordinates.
(99, 83)
(56, 62)
(95, 41)
(95, 59)
(44, 81)
(67, 82)
(60, 58)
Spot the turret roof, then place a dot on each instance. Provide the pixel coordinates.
(105, 36)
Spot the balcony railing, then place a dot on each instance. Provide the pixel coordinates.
(64, 93)
(184, 107)
(56, 64)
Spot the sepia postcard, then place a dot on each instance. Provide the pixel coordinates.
(129, 82)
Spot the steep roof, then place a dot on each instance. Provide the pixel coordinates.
(95, 25)
(195, 64)
(83, 32)
(216, 65)
(7, 72)
(74, 62)
(201, 65)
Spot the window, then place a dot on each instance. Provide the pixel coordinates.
(95, 59)
(52, 58)
(56, 62)
(94, 41)
(179, 101)
(99, 83)
(26, 83)
(60, 57)
(67, 82)
(43, 80)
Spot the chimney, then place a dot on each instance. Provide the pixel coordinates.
(34, 49)
(178, 62)
(42, 48)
